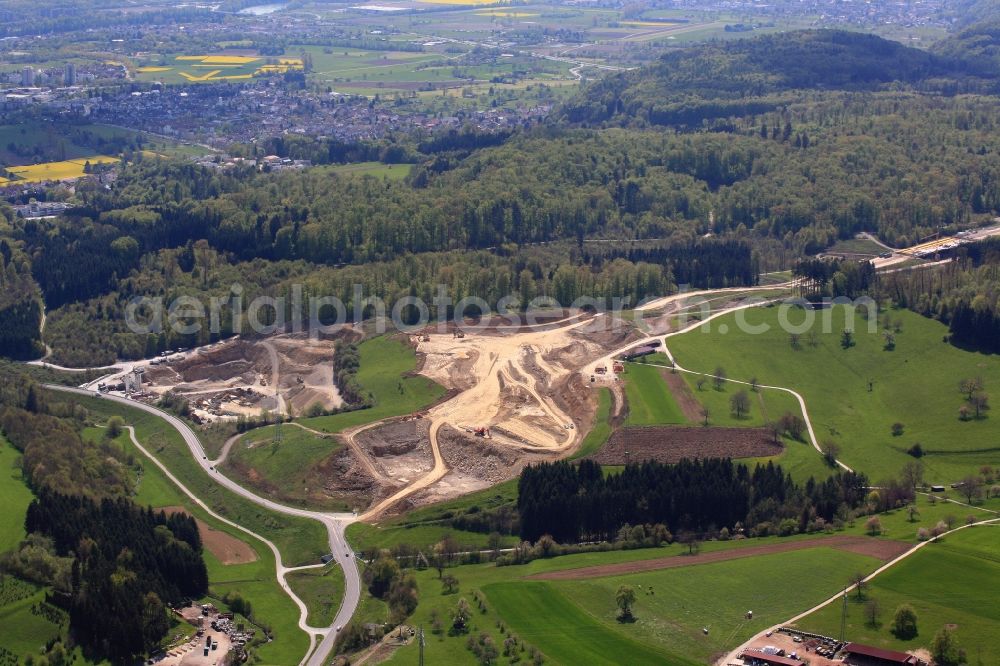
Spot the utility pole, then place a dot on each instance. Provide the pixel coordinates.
(277, 431)
(420, 639)
(843, 618)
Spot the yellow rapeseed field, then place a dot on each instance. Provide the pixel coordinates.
(37, 173)
(148, 70)
(217, 64)
(229, 60)
(220, 59)
(204, 77)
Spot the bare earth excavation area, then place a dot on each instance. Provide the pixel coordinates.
(284, 373)
(518, 397)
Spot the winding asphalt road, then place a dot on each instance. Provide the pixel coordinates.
(335, 525)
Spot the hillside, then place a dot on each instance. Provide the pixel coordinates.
(977, 39)
(752, 76)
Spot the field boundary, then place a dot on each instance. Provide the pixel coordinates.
(884, 549)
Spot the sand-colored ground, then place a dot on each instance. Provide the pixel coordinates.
(287, 374)
(522, 382)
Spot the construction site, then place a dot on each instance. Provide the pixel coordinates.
(516, 396)
(284, 374)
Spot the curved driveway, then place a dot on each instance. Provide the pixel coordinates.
(335, 525)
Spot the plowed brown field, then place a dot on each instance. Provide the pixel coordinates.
(670, 444)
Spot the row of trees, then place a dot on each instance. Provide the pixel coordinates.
(346, 362)
(578, 502)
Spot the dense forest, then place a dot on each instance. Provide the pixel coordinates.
(755, 76)
(576, 502)
(965, 294)
(861, 135)
(128, 565)
(20, 305)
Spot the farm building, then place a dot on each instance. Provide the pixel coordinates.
(754, 657)
(638, 352)
(866, 655)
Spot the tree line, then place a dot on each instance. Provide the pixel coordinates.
(578, 502)
(964, 294)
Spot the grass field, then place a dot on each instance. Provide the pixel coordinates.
(385, 364)
(573, 622)
(24, 631)
(855, 246)
(281, 468)
(321, 590)
(798, 457)
(649, 399)
(301, 541)
(916, 384)
(14, 497)
(377, 169)
(951, 582)
(541, 614)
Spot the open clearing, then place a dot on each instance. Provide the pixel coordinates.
(671, 444)
(28, 621)
(14, 496)
(648, 401)
(226, 548)
(573, 621)
(321, 590)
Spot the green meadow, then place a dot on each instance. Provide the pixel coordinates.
(855, 395)
(574, 621)
(950, 582)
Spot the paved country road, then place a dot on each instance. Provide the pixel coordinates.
(335, 525)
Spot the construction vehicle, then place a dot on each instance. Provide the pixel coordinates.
(459, 334)
(425, 338)
(601, 369)
(483, 432)
(618, 368)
